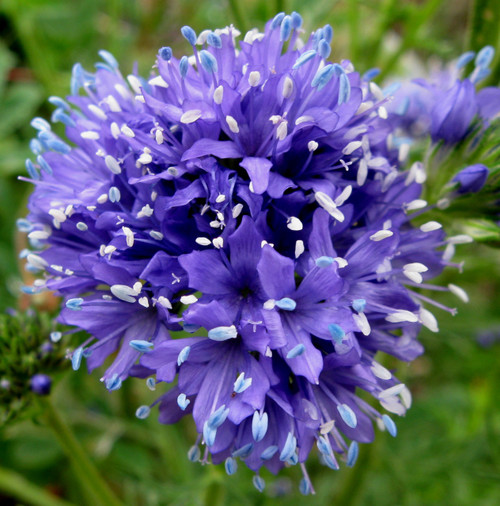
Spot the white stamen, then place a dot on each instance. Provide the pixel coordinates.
(190, 116)
(460, 239)
(430, 226)
(126, 130)
(380, 235)
(382, 112)
(83, 227)
(218, 95)
(159, 136)
(146, 211)
(58, 215)
(402, 316)
(362, 172)
(287, 87)
(342, 262)
(218, 242)
(112, 164)
(97, 111)
(269, 304)
(232, 124)
(346, 193)
(351, 147)
(294, 224)
(380, 371)
(459, 292)
(158, 81)
(254, 78)
(203, 241)
(416, 267)
(156, 235)
(124, 292)
(237, 210)
(115, 130)
(102, 199)
(90, 135)
(145, 158)
(391, 391)
(163, 301)
(188, 299)
(312, 146)
(403, 152)
(129, 235)
(144, 301)
(328, 205)
(299, 248)
(135, 84)
(416, 277)
(416, 204)
(362, 322)
(428, 320)
(220, 198)
(282, 130)
(36, 261)
(113, 104)
(303, 119)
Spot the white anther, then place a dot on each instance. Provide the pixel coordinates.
(303, 119)
(351, 147)
(190, 116)
(391, 391)
(415, 204)
(282, 130)
(218, 94)
(380, 371)
(254, 78)
(140, 98)
(144, 301)
(108, 250)
(460, 239)
(269, 304)
(115, 130)
(430, 226)
(328, 205)
(113, 104)
(459, 292)
(122, 91)
(232, 124)
(382, 112)
(126, 130)
(362, 172)
(97, 111)
(299, 248)
(203, 241)
(145, 158)
(135, 84)
(90, 135)
(146, 211)
(416, 277)
(346, 193)
(287, 87)
(342, 262)
(312, 146)
(275, 119)
(112, 164)
(428, 320)
(376, 91)
(220, 198)
(403, 152)
(158, 81)
(380, 235)
(362, 322)
(124, 292)
(39, 234)
(294, 224)
(188, 299)
(129, 235)
(159, 136)
(218, 242)
(58, 215)
(156, 235)
(163, 301)
(102, 199)
(36, 261)
(237, 210)
(81, 226)
(402, 316)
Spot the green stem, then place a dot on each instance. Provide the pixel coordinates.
(353, 21)
(16, 486)
(86, 472)
(214, 491)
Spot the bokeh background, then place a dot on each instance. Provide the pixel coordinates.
(447, 451)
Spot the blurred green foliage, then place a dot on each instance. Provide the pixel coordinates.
(446, 452)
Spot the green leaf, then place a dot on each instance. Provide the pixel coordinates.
(6, 63)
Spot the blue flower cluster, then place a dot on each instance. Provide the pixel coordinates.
(240, 225)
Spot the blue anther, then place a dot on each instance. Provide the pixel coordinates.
(165, 53)
(108, 58)
(60, 115)
(348, 415)
(76, 78)
(259, 426)
(183, 66)
(190, 327)
(29, 290)
(359, 305)
(304, 486)
(390, 425)
(485, 57)
(74, 304)
(289, 447)
(182, 401)
(352, 453)
(337, 332)
(286, 304)
(103, 66)
(296, 20)
(31, 169)
(183, 355)
(142, 412)
(328, 33)
(141, 345)
(209, 434)
(304, 58)
(87, 352)
(324, 49)
(243, 452)
(277, 20)
(259, 483)
(285, 28)
(218, 417)
(24, 252)
(113, 383)
(208, 61)
(114, 194)
(296, 351)
(55, 336)
(464, 59)
(36, 146)
(391, 89)
(189, 34)
(44, 165)
(344, 89)
(59, 102)
(329, 460)
(151, 384)
(371, 74)
(324, 445)
(323, 76)
(317, 36)
(403, 107)
(324, 261)
(480, 74)
(76, 359)
(214, 40)
(269, 452)
(231, 466)
(58, 146)
(223, 333)
(241, 383)
(293, 460)
(194, 453)
(40, 124)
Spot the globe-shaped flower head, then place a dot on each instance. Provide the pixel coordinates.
(247, 195)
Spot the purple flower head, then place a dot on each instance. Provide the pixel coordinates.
(472, 178)
(238, 225)
(41, 384)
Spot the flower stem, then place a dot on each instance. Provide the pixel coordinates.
(16, 486)
(86, 472)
